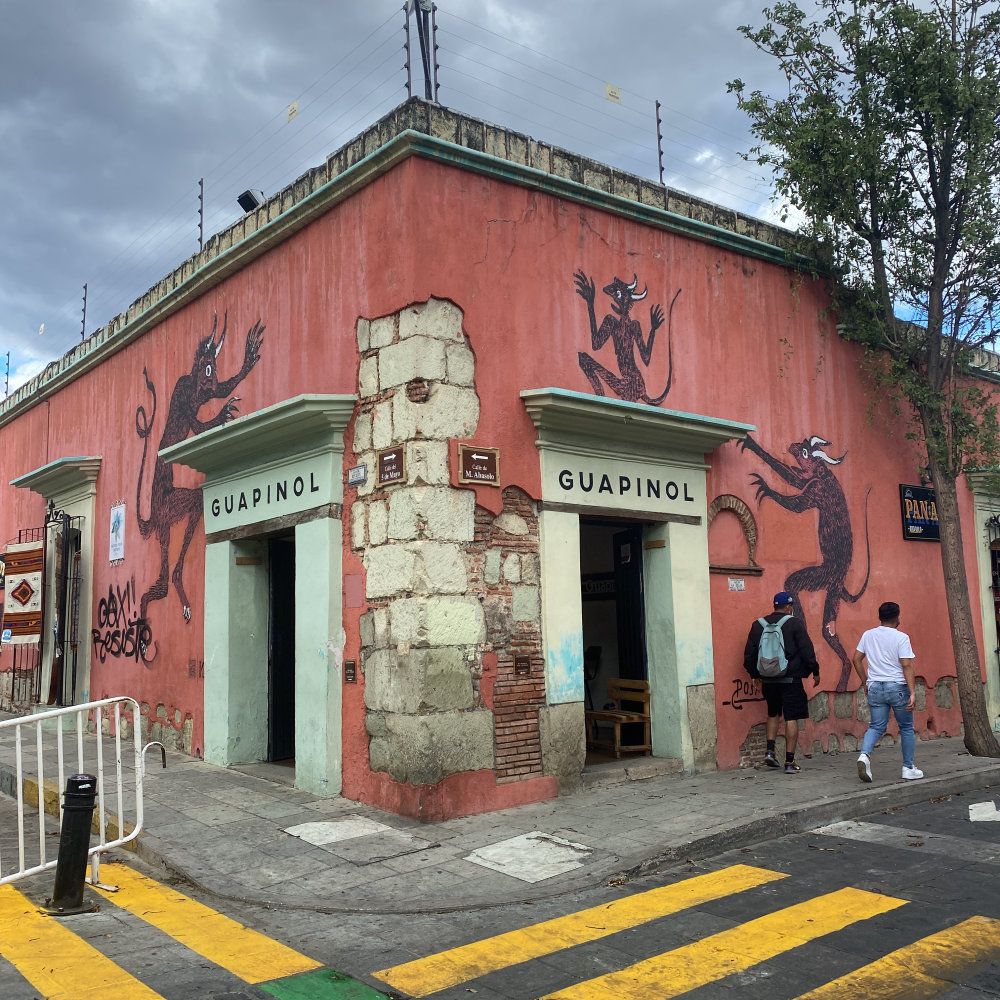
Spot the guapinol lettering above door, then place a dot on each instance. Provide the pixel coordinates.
(263, 494)
(622, 484)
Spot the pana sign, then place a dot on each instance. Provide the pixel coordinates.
(919, 510)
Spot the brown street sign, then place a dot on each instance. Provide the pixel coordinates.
(391, 466)
(478, 465)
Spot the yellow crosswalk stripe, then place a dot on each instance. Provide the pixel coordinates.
(58, 963)
(424, 976)
(245, 953)
(713, 958)
(925, 969)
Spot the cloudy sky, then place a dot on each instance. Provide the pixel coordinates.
(113, 111)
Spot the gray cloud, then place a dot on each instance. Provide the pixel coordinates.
(111, 111)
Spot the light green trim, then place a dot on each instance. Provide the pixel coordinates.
(562, 187)
(319, 649)
(236, 614)
(63, 479)
(595, 425)
(561, 606)
(986, 504)
(274, 435)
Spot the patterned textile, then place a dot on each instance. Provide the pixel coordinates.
(22, 610)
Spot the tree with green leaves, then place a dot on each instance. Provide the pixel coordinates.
(888, 145)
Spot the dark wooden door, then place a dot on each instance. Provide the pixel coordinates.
(281, 650)
(630, 603)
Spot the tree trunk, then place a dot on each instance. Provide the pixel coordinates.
(980, 740)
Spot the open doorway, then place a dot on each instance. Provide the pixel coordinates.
(281, 651)
(614, 638)
(995, 590)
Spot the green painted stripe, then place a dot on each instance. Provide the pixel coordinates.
(323, 984)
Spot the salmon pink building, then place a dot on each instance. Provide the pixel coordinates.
(404, 475)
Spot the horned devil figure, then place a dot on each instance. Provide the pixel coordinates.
(625, 334)
(169, 504)
(818, 489)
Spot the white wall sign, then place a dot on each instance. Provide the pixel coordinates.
(116, 544)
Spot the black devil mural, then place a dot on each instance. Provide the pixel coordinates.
(169, 504)
(818, 489)
(625, 335)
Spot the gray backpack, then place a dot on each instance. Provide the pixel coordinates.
(772, 663)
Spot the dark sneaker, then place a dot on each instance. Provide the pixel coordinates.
(770, 759)
(791, 767)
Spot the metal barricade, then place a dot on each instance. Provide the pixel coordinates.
(42, 760)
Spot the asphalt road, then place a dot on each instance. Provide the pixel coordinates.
(903, 904)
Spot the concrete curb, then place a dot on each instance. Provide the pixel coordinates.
(52, 796)
(867, 800)
(754, 826)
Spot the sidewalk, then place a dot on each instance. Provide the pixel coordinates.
(226, 830)
(242, 835)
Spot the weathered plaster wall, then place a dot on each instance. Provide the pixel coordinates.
(747, 340)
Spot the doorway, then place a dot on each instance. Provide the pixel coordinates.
(995, 588)
(613, 611)
(281, 651)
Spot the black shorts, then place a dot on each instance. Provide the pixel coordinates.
(787, 699)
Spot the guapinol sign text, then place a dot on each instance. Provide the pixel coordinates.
(264, 494)
(625, 484)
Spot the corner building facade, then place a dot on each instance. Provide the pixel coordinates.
(512, 426)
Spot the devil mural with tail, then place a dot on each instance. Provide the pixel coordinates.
(625, 334)
(169, 504)
(817, 488)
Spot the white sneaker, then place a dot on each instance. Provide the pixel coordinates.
(912, 773)
(865, 768)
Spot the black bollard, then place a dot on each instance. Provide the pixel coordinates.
(74, 843)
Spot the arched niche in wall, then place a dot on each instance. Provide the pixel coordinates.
(734, 505)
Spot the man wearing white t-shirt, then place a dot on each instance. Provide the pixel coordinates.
(884, 662)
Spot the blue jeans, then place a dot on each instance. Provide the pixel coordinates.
(883, 697)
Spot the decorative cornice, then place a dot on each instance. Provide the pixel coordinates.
(295, 427)
(594, 424)
(62, 480)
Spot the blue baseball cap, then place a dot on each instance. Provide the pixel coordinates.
(782, 598)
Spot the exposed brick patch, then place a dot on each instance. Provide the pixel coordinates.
(517, 698)
(418, 390)
(753, 747)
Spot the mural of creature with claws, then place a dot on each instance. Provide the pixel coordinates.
(170, 504)
(625, 335)
(817, 489)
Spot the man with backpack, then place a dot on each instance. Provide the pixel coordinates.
(779, 653)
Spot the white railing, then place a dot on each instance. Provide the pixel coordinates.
(40, 764)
